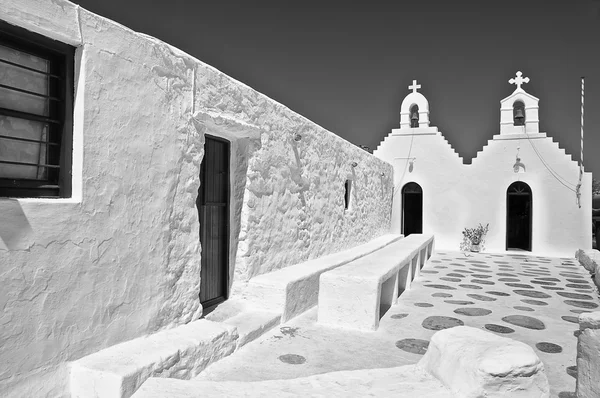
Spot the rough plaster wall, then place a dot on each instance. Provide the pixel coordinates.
(123, 260)
(294, 200)
(457, 195)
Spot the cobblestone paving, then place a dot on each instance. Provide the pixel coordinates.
(532, 299)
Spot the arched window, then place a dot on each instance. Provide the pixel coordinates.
(519, 113)
(414, 116)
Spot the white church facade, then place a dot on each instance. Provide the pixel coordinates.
(522, 183)
(171, 187)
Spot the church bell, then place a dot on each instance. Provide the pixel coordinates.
(519, 117)
(414, 117)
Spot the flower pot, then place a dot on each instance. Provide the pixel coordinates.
(475, 248)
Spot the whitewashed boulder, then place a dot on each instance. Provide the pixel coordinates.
(588, 358)
(474, 363)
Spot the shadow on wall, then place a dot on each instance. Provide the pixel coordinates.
(14, 226)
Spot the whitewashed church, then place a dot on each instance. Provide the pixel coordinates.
(522, 183)
(140, 186)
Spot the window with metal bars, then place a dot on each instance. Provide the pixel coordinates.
(36, 110)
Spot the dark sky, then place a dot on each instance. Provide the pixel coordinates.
(346, 65)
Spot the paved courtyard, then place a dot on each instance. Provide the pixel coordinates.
(532, 299)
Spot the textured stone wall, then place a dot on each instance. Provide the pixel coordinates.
(122, 257)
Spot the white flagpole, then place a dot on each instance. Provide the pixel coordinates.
(581, 143)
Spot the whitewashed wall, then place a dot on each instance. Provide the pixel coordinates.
(122, 257)
(457, 195)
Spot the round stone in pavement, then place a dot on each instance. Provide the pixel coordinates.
(520, 285)
(509, 280)
(446, 287)
(499, 329)
(472, 311)
(482, 282)
(414, 346)
(482, 270)
(466, 286)
(532, 293)
(569, 318)
(523, 308)
(549, 348)
(423, 305)
(579, 281)
(549, 279)
(441, 295)
(552, 287)
(292, 359)
(456, 275)
(399, 316)
(441, 322)
(428, 271)
(580, 288)
(481, 276)
(449, 279)
(505, 274)
(435, 261)
(502, 294)
(501, 262)
(577, 296)
(480, 297)
(545, 283)
(440, 266)
(477, 262)
(579, 311)
(459, 302)
(534, 302)
(525, 322)
(581, 304)
(572, 371)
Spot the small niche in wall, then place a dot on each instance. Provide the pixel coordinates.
(347, 194)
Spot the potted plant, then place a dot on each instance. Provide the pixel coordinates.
(473, 238)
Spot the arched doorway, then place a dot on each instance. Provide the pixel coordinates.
(412, 209)
(518, 216)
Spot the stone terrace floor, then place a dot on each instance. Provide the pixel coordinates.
(532, 299)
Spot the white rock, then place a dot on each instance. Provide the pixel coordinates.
(588, 356)
(475, 363)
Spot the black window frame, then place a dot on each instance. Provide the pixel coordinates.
(61, 58)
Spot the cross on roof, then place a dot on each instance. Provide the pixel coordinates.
(414, 86)
(519, 80)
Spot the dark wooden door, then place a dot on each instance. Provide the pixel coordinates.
(518, 216)
(412, 209)
(213, 210)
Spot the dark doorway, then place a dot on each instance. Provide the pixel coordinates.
(518, 216)
(213, 211)
(412, 209)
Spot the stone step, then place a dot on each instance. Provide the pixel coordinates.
(253, 324)
(182, 352)
(400, 382)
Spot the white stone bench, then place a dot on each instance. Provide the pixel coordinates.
(295, 289)
(356, 295)
(182, 352)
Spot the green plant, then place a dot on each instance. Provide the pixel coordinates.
(474, 236)
(595, 187)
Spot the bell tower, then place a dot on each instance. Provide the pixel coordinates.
(414, 111)
(519, 111)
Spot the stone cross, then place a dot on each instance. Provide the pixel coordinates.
(519, 80)
(414, 86)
